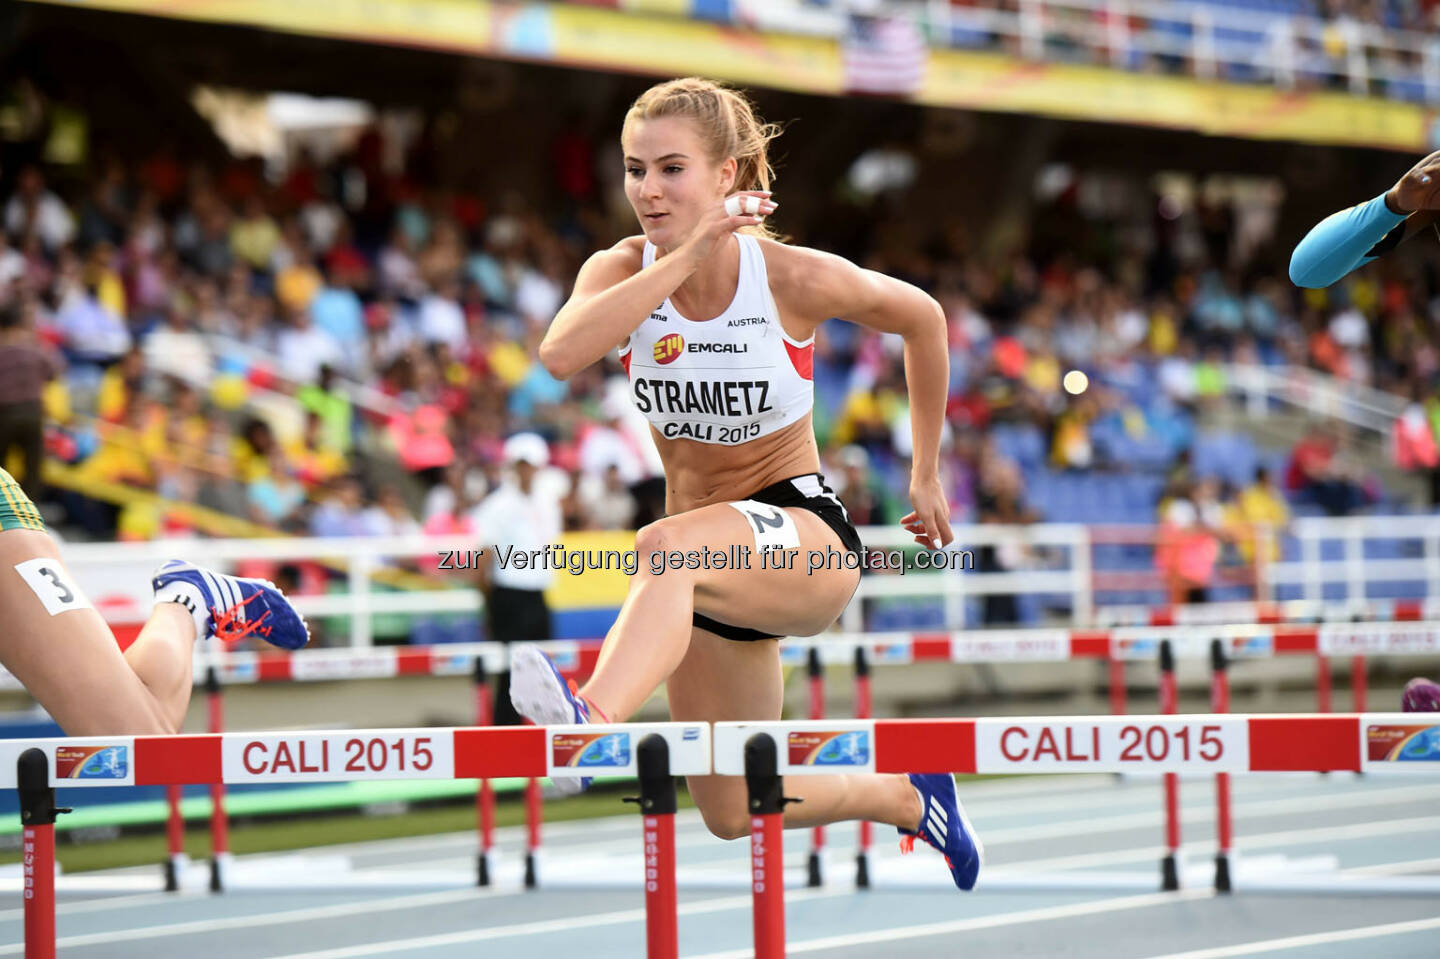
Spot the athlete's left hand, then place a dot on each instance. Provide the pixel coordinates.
(929, 523)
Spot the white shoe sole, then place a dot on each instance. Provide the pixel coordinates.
(535, 695)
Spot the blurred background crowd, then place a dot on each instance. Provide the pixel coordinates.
(265, 348)
(336, 337)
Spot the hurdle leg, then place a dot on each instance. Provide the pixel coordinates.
(532, 833)
(37, 820)
(1117, 685)
(1323, 688)
(1169, 865)
(816, 674)
(1358, 683)
(1220, 703)
(862, 711)
(765, 790)
(174, 839)
(219, 821)
(657, 811)
(485, 792)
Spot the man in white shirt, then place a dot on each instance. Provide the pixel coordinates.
(513, 522)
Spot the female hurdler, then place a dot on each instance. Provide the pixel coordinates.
(715, 322)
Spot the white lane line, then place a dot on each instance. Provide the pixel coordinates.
(1265, 946)
(1101, 787)
(1205, 812)
(1143, 794)
(543, 926)
(97, 905)
(978, 797)
(337, 911)
(913, 931)
(1243, 844)
(1198, 813)
(1395, 868)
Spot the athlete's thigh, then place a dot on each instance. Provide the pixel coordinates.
(59, 647)
(722, 680)
(799, 597)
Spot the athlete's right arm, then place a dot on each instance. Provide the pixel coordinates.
(612, 297)
(1351, 238)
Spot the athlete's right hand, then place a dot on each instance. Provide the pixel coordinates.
(717, 223)
(1419, 189)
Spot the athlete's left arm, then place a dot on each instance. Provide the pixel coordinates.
(836, 287)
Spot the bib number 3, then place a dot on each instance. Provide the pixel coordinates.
(49, 581)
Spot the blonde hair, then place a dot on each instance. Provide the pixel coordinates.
(727, 123)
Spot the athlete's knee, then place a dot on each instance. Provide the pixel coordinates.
(651, 537)
(658, 539)
(724, 820)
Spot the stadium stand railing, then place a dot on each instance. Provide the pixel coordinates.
(1285, 43)
(1328, 397)
(1324, 560)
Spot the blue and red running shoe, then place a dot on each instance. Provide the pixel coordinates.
(943, 825)
(540, 694)
(234, 608)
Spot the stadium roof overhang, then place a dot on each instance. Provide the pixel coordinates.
(618, 42)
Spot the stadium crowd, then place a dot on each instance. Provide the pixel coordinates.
(344, 351)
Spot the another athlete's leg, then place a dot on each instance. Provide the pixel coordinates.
(162, 657)
(651, 635)
(63, 652)
(721, 680)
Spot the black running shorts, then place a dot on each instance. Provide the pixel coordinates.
(807, 492)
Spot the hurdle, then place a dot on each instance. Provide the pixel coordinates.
(765, 753)
(1118, 647)
(768, 752)
(654, 753)
(576, 658)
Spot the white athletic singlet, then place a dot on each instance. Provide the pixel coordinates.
(728, 380)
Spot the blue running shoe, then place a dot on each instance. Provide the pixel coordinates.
(943, 825)
(234, 608)
(540, 694)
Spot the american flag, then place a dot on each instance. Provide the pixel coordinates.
(884, 55)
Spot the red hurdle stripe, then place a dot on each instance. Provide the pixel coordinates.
(178, 760)
(925, 745)
(499, 752)
(1322, 743)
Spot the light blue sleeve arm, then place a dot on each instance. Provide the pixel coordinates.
(1341, 242)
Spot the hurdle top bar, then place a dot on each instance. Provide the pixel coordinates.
(1401, 742)
(361, 754)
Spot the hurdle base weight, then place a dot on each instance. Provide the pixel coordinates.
(175, 867)
(220, 865)
(1222, 874)
(1169, 874)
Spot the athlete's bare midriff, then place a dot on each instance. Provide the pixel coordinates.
(700, 474)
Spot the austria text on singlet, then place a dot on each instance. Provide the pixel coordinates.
(728, 380)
